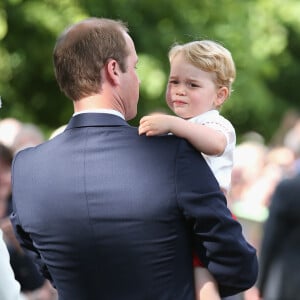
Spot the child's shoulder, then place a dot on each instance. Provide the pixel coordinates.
(213, 118)
(211, 115)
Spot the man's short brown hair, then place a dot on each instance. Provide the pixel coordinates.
(81, 52)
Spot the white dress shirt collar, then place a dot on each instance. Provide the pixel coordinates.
(102, 111)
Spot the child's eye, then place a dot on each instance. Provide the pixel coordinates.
(191, 84)
(173, 81)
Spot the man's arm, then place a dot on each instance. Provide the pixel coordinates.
(218, 238)
(27, 244)
(22, 236)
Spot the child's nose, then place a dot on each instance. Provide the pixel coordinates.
(180, 91)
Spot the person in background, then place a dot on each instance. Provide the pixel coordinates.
(279, 252)
(9, 128)
(200, 81)
(113, 215)
(9, 286)
(31, 282)
(6, 158)
(29, 135)
(292, 142)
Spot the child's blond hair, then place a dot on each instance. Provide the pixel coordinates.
(209, 56)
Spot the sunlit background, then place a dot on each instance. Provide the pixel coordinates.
(262, 35)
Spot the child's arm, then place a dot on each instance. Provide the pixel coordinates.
(206, 287)
(205, 139)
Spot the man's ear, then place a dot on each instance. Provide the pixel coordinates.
(222, 95)
(113, 71)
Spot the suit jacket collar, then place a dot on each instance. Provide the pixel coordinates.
(95, 119)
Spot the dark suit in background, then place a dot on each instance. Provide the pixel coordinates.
(279, 277)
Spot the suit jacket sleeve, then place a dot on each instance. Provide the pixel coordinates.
(218, 238)
(27, 243)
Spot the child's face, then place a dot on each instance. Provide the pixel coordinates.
(190, 91)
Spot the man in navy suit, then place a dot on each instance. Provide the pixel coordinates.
(109, 214)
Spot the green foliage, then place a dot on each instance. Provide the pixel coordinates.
(263, 36)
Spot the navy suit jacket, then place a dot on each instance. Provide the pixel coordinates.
(110, 214)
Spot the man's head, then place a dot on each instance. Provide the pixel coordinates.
(91, 52)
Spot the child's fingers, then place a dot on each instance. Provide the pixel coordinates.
(144, 119)
(141, 130)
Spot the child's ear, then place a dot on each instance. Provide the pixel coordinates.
(222, 95)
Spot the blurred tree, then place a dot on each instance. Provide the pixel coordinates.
(28, 87)
(263, 36)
